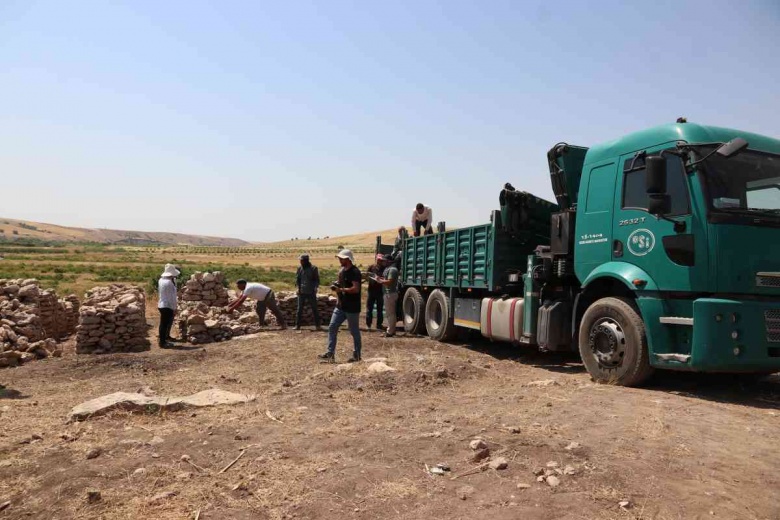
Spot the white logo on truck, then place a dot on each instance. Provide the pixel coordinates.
(641, 242)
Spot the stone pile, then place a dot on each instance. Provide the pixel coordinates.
(199, 323)
(22, 335)
(112, 319)
(59, 316)
(207, 288)
(288, 304)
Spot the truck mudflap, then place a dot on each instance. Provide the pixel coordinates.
(726, 335)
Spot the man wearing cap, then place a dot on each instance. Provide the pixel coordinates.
(166, 290)
(348, 308)
(265, 299)
(307, 280)
(422, 218)
(389, 280)
(375, 294)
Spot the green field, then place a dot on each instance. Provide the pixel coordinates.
(77, 268)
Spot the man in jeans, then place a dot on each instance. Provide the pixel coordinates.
(265, 298)
(307, 280)
(375, 294)
(348, 308)
(389, 281)
(166, 289)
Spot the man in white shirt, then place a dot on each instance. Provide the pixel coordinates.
(265, 299)
(422, 218)
(166, 289)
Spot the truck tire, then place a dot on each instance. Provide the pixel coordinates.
(413, 307)
(438, 322)
(613, 343)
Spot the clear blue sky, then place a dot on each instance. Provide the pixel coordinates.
(267, 120)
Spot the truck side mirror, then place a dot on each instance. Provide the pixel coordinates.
(659, 202)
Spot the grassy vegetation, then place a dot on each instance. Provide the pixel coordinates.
(78, 268)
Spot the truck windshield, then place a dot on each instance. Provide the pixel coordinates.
(746, 183)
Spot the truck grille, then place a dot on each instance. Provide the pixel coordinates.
(763, 280)
(772, 322)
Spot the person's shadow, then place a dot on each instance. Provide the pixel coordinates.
(9, 393)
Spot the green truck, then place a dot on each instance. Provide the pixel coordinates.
(662, 251)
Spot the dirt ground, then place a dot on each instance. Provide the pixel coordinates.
(335, 441)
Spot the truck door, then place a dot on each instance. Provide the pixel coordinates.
(676, 259)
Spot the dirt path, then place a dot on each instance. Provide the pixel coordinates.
(349, 444)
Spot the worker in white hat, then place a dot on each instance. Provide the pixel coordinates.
(166, 289)
(348, 308)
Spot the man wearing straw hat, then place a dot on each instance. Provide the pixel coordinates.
(166, 289)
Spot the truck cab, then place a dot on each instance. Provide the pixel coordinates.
(702, 269)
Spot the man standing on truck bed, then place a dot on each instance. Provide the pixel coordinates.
(348, 309)
(307, 281)
(422, 218)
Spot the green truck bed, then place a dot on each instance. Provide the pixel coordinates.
(483, 256)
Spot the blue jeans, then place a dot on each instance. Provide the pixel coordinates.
(353, 322)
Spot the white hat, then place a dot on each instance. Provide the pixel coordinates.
(346, 253)
(170, 270)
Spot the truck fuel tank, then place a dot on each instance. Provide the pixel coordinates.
(502, 319)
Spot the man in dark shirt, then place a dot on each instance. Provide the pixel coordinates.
(307, 281)
(348, 308)
(375, 298)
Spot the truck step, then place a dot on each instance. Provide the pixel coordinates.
(680, 358)
(675, 320)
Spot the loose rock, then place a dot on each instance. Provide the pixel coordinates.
(498, 463)
(553, 481)
(542, 383)
(477, 444)
(480, 455)
(141, 403)
(379, 367)
(94, 453)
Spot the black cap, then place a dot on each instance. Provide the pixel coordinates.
(241, 281)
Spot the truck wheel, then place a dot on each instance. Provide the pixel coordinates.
(413, 307)
(613, 343)
(438, 321)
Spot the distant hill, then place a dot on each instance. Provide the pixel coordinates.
(13, 229)
(355, 241)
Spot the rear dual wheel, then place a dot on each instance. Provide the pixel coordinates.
(413, 311)
(438, 319)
